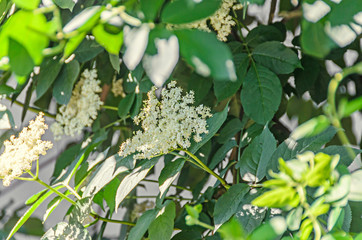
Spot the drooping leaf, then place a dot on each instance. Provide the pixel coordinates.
(125, 105)
(142, 225)
(185, 11)
(214, 123)
(63, 84)
(198, 49)
(162, 227)
(275, 56)
(255, 158)
(261, 94)
(131, 180)
(228, 203)
(169, 173)
(49, 70)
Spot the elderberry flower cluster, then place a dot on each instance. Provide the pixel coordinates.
(82, 108)
(167, 124)
(117, 88)
(20, 152)
(221, 21)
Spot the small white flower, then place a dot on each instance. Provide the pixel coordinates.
(22, 151)
(82, 108)
(167, 124)
(117, 88)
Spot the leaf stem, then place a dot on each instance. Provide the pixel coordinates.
(97, 217)
(206, 168)
(172, 185)
(109, 107)
(32, 109)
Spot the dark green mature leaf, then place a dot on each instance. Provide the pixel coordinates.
(277, 57)
(262, 34)
(63, 85)
(221, 153)
(314, 40)
(356, 225)
(255, 158)
(261, 94)
(248, 215)
(142, 225)
(231, 128)
(169, 173)
(306, 77)
(290, 148)
(20, 61)
(214, 123)
(111, 42)
(228, 203)
(65, 4)
(345, 158)
(344, 12)
(198, 48)
(125, 105)
(150, 8)
(227, 89)
(27, 4)
(49, 70)
(162, 227)
(186, 11)
(110, 194)
(87, 50)
(115, 62)
(131, 180)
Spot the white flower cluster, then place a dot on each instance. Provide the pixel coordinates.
(82, 108)
(22, 151)
(167, 124)
(220, 21)
(117, 88)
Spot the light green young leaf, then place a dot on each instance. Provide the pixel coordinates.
(27, 4)
(294, 218)
(162, 227)
(275, 56)
(232, 230)
(111, 42)
(255, 158)
(261, 94)
(228, 203)
(270, 230)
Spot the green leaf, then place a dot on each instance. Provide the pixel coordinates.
(232, 230)
(333, 217)
(150, 8)
(231, 128)
(162, 227)
(186, 11)
(275, 56)
(27, 4)
(270, 230)
(355, 193)
(344, 12)
(228, 203)
(221, 153)
(294, 218)
(290, 148)
(35, 197)
(136, 107)
(261, 94)
(115, 62)
(30, 211)
(125, 105)
(198, 49)
(110, 194)
(214, 123)
(255, 158)
(248, 215)
(278, 198)
(6, 90)
(26, 23)
(72, 44)
(64, 230)
(311, 127)
(169, 173)
(63, 85)
(340, 190)
(49, 70)
(106, 173)
(131, 180)
(81, 210)
(352, 106)
(224, 90)
(305, 78)
(111, 42)
(142, 225)
(345, 158)
(20, 61)
(314, 40)
(262, 34)
(356, 224)
(65, 4)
